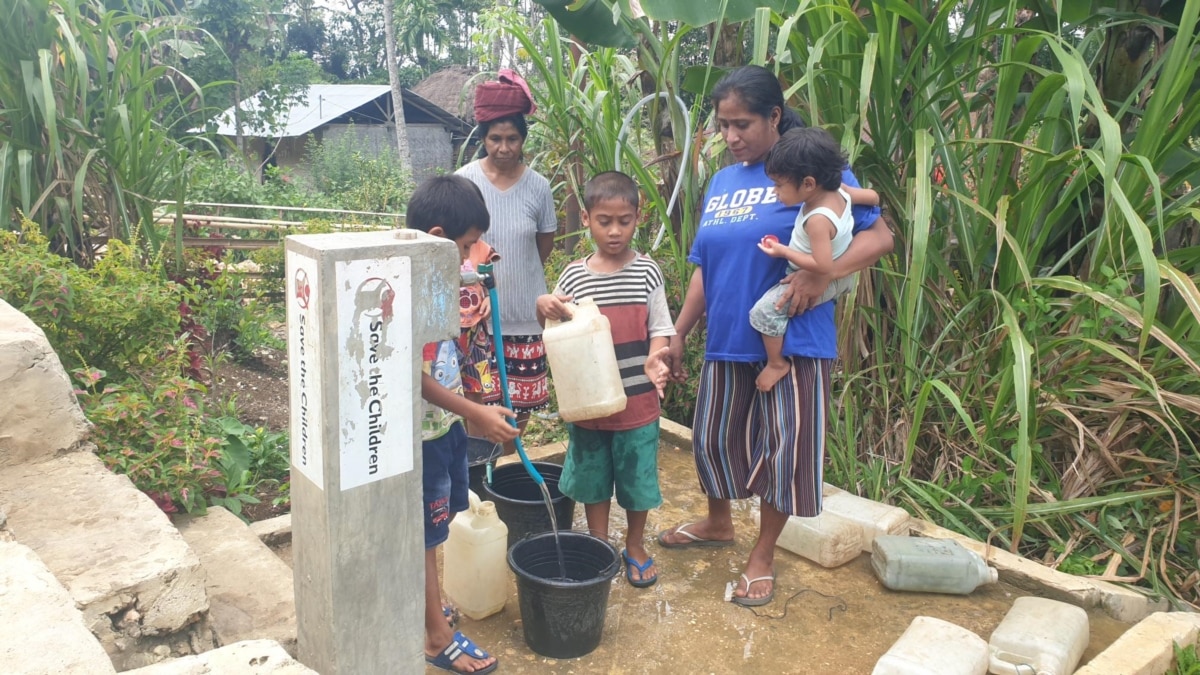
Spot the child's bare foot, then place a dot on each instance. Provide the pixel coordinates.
(771, 373)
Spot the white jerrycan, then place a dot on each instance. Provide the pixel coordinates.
(476, 567)
(928, 565)
(1039, 635)
(583, 364)
(930, 646)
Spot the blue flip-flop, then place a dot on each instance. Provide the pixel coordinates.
(461, 644)
(630, 564)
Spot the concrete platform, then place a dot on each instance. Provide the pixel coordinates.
(41, 631)
(252, 657)
(822, 621)
(250, 590)
(126, 567)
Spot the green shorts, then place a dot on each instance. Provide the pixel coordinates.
(598, 461)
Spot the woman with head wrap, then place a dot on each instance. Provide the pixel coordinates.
(523, 226)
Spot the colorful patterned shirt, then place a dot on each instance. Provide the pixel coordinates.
(440, 360)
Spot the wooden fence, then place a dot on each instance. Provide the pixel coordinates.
(218, 220)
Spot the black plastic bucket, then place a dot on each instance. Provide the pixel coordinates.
(519, 501)
(480, 453)
(563, 619)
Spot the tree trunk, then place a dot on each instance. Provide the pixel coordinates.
(389, 38)
(571, 207)
(730, 49)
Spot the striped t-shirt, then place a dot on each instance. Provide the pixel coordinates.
(518, 215)
(635, 302)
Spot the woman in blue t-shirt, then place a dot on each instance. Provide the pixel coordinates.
(747, 442)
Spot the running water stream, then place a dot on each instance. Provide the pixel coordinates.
(562, 567)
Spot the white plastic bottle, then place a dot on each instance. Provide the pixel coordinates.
(583, 364)
(828, 539)
(1038, 635)
(928, 565)
(476, 569)
(931, 646)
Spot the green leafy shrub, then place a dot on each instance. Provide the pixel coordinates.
(1187, 662)
(152, 429)
(110, 317)
(364, 179)
(117, 327)
(255, 455)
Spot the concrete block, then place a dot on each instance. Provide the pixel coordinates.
(1123, 604)
(252, 657)
(275, 531)
(250, 591)
(555, 453)
(41, 631)
(675, 433)
(1148, 648)
(40, 416)
(872, 517)
(127, 568)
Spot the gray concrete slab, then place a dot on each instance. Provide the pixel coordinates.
(41, 631)
(275, 531)
(126, 567)
(833, 621)
(250, 590)
(251, 657)
(823, 621)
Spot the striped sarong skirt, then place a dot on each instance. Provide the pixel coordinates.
(771, 444)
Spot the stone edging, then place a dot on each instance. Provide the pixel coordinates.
(1121, 603)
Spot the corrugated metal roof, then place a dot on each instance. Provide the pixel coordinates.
(320, 104)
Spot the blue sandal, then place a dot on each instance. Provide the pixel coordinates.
(461, 644)
(630, 564)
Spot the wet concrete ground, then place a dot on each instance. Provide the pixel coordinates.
(821, 621)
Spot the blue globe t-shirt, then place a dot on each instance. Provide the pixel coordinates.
(739, 209)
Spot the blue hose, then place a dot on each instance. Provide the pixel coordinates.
(497, 338)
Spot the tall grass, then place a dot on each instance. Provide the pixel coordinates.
(1028, 360)
(84, 149)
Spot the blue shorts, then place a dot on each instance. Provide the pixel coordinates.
(444, 482)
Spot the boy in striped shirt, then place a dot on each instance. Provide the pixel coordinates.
(619, 451)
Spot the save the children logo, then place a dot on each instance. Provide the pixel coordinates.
(303, 357)
(375, 368)
(303, 289)
(379, 295)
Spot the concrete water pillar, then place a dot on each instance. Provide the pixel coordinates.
(359, 308)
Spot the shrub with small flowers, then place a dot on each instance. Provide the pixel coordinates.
(155, 434)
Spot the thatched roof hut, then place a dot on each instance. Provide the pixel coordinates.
(452, 89)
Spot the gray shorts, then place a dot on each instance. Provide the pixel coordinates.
(773, 322)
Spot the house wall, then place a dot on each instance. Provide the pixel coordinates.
(428, 144)
(429, 147)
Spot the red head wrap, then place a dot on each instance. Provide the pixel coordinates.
(509, 95)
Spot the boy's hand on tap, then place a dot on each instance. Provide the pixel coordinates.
(553, 307)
